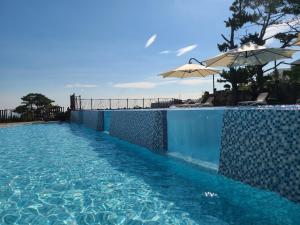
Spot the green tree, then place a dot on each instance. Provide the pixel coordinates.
(21, 109)
(34, 102)
(294, 74)
(257, 16)
(292, 7)
(239, 17)
(236, 21)
(237, 76)
(265, 14)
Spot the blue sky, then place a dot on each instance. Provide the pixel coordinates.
(97, 48)
(89, 47)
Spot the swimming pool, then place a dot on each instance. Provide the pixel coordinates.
(60, 173)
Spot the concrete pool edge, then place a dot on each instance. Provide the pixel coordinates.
(13, 124)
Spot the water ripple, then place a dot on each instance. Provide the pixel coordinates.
(67, 174)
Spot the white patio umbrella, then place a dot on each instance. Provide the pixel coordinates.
(250, 54)
(191, 70)
(297, 62)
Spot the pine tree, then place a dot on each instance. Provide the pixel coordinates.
(257, 16)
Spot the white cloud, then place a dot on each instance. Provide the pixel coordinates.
(149, 85)
(271, 31)
(275, 29)
(165, 52)
(136, 85)
(185, 50)
(78, 85)
(151, 40)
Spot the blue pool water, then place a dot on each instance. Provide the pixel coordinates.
(67, 174)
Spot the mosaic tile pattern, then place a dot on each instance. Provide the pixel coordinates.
(91, 119)
(261, 147)
(144, 128)
(76, 116)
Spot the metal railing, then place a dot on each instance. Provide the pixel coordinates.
(118, 103)
(8, 115)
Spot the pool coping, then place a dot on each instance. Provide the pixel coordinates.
(13, 124)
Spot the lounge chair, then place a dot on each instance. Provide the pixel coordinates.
(207, 103)
(187, 103)
(260, 100)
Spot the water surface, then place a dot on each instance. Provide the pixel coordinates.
(67, 174)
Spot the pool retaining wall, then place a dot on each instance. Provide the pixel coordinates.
(76, 116)
(144, 128)
(261, 147)
(258, 146)
(90, 118)
(93, 119)
(195, 135)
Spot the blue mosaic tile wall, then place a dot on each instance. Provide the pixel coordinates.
(76, 116)
(140, 127)
(91, 119)
(261, 147)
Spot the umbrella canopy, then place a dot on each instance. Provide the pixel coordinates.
(190, 70)
(250, 54)
(297, 62)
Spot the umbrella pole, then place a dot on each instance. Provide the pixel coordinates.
(191, 61)
(213, 84)
(275, 69)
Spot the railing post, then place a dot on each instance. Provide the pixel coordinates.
(72, 102)
(109, 103)
(80, 102)
(127, 103)
(76, 102)
(91, 104)
(143, 103)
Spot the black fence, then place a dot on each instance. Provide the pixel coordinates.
(78, 103)
(8, 115)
